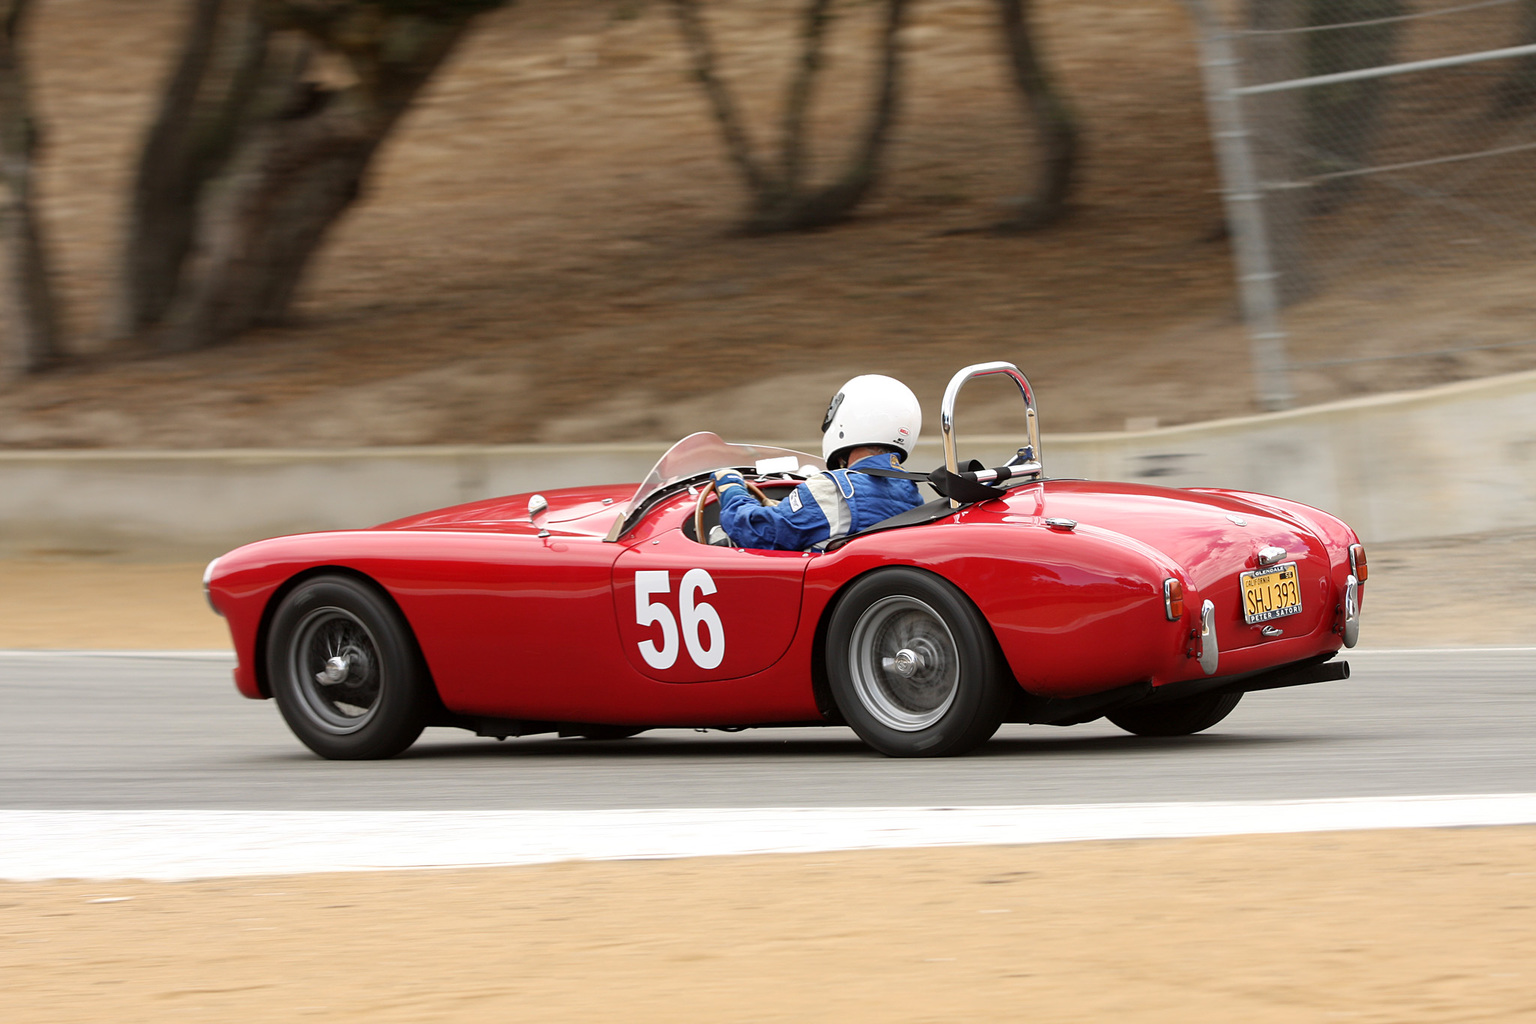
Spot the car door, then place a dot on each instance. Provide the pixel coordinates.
(690, 612)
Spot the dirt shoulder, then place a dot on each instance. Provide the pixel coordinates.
(87, 604)
(100, 605)
(1427, 925)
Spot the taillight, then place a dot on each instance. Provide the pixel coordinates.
(1173, 599)
(1357, 566)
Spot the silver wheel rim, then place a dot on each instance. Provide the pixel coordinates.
(334, 663)
(904, 663)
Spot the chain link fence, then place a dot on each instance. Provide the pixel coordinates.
(1379, 164)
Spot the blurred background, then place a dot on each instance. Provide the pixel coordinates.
(327, 223)
(280, 265)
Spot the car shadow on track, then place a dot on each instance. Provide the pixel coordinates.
(838, 743)
(1076, 746)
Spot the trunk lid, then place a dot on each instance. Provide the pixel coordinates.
(1212, 538)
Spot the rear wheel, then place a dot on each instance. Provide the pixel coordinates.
(913, 667)
(345, 670)
(1177, 717)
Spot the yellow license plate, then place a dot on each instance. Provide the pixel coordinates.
(1271, 593)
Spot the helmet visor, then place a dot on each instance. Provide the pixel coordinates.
(837, 403)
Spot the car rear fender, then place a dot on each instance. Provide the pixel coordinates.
(820, 681)
(1074, 610)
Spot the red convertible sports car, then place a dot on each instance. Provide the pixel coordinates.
(599, 612)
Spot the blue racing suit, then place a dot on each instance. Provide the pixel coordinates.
(827, 507)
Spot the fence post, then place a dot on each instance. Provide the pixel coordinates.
(1257, 280)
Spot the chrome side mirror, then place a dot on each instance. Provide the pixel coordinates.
(537, 504)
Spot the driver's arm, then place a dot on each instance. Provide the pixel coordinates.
(795, 524)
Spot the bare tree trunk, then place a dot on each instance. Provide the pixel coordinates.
(701, 53)
(782, 201)
(296, 173)
(837, 200)
(31, 325)
(204, 109)
(812, 31)
(1054, 125)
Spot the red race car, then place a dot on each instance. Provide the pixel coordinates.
(598, 611)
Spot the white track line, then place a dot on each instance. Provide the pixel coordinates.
(170, 845)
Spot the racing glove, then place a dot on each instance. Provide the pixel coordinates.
(727, 478)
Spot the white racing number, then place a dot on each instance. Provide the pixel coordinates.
(648, 582)
(695, 616)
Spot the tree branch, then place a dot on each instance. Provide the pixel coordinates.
(1053, 121)
(818, 14)
(865, 165)
(702, 56)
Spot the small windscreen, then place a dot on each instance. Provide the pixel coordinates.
(705, 452)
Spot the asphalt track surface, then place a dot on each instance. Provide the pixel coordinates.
(148, 732)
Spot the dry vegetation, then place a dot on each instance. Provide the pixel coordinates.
(545, 253)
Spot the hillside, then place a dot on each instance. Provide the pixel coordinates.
(545, 253)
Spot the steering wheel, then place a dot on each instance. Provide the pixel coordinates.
(707, 490)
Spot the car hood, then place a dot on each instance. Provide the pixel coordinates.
(579, 510)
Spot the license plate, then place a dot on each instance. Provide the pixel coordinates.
(1271, 593)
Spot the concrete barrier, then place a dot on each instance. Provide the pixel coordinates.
(204, 502)
(1456, 459)
(1450, 460)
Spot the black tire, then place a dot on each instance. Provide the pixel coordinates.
(1177, 717)
(913, 666)
(380, 697)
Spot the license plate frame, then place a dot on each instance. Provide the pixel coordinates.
(1262, 590)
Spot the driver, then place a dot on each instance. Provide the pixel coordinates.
(872, 423)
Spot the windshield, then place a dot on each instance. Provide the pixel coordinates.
(704, 452)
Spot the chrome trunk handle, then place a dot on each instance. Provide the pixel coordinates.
(1031, 452)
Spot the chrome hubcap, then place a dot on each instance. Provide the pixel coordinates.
(907, 663)
(335, 671)
(904, 663)
(335, 662)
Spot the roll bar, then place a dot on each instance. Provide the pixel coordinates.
(1029, 456)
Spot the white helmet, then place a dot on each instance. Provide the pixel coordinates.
(870, 410)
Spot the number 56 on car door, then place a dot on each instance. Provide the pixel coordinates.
(694, 615)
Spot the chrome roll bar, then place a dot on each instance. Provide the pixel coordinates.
(1029, 455)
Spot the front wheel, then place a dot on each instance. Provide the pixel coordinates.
(345, 670)
(913, 666)
(1177, 717)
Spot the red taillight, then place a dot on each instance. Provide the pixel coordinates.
(1357, 564)
(1173, 599)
